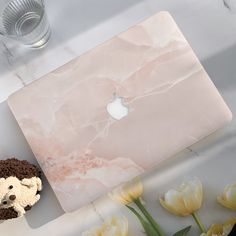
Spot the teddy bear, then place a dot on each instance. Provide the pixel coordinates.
(20, 185)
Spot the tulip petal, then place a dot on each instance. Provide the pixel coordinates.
(226, 203)
(184, 200)
(215, 229)
(169, 208)
(221, 229)
(193, 196)
(115, 227)
(230, 194)
(128, 192)
(228, 198)
(174, 198)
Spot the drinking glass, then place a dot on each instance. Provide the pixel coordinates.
(25, 21)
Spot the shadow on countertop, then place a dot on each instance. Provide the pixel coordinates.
(222, 69)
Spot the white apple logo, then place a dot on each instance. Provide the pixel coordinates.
(117, 109)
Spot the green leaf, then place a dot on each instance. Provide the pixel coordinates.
(183, 232)
(149, 230)
(149, 218)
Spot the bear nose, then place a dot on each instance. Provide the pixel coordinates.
(12, 197)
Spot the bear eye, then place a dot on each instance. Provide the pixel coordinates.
(5, 202)
(10, 187)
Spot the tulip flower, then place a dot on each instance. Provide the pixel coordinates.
(228, 198)
(116, 226)
(128, 193)
(185, 200)
(221, 230)
(131, 193)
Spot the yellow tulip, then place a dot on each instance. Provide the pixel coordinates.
(184, 200)
(116, 226)
(228, 199)
(131, 192)
(221, 230)
(128, 193)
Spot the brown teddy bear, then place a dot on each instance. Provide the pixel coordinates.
(20, 185)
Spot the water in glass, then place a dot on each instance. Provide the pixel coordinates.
(26, 21)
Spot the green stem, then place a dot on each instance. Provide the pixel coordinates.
(149, 217)
(199, 223)
(148, 228)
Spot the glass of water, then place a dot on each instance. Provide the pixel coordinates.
(25, 21)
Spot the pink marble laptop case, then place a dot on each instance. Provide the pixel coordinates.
(83, 151)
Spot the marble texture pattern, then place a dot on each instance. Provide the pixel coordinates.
(82, 150)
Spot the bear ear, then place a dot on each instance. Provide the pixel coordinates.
(27, 182)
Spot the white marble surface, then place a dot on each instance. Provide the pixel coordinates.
(80, 25)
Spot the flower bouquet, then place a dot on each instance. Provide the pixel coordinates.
(185, 200)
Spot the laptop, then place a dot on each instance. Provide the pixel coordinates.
(118, 110)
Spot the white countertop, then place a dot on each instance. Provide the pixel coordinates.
(80, 25)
